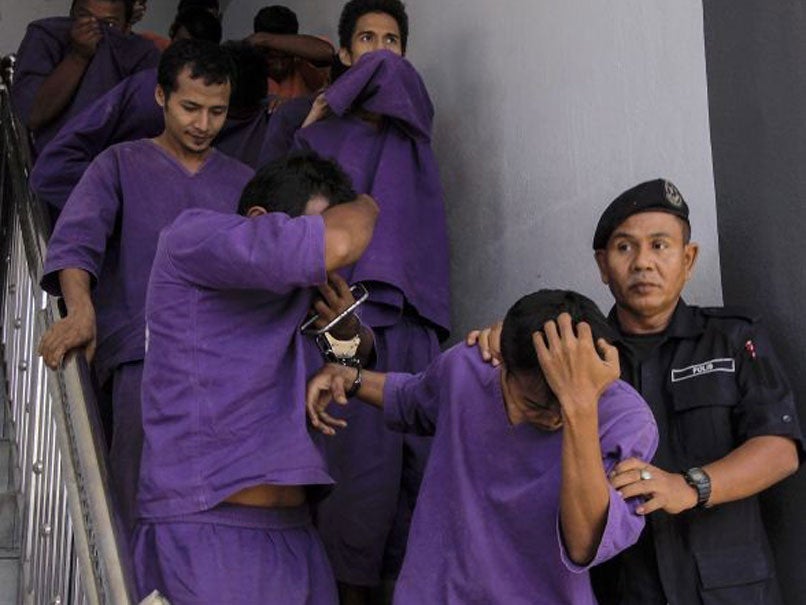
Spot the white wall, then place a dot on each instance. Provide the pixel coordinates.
(546, 111)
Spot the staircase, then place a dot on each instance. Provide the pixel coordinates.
(9, 505)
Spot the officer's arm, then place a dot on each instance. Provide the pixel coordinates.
(751, 468)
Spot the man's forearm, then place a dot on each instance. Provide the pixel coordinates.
(584, 495)
(309, 48)
(348, 231)
(57, 90)
(751, 468)
(75, 286)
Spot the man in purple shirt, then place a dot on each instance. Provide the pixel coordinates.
(130, 111)
(65, 63)
(515, 505)
(228, 464)
(102, 247)
(376, 121)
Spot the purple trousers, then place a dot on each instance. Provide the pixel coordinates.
(234, 554)
(364, 521)
(126, 441)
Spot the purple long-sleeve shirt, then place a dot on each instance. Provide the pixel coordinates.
(225, 373)
(394, 163)
(110, 225)
(486, 526)
(46, 44)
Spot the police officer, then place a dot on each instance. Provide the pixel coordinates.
(726, 416)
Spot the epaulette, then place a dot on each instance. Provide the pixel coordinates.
(732, 312)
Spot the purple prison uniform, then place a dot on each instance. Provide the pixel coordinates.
(243, 138)
(235, 554)
(486, 526)
(285, 121)
(109, 227)
(406, 269)
(224, 383)
(47, 43)
(126, 113)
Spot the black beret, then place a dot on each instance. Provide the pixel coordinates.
(658, 195)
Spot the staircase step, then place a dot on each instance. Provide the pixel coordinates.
(9, 580)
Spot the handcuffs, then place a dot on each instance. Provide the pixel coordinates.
(332, 349)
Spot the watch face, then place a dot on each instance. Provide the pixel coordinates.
(696, 475)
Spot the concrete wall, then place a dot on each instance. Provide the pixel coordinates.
(757, 80)
(15, 16)
(545, 112)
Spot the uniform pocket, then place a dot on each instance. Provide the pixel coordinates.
(702, 422)
(739, 575)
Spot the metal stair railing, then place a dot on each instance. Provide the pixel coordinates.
(72, 550)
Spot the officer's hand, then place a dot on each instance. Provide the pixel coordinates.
(319, 111)
(335, 298)
(488, 341)
(573, 367)
(661, 490)
(329, 384)
(85, 34)
(74, 331)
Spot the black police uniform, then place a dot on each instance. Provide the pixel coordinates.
(712, 382)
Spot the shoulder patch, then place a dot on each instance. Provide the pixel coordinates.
(732, 312)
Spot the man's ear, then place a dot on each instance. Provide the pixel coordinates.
(601, 261)
(690, 255)
(159, 95)
(256, 211)
(345, 57)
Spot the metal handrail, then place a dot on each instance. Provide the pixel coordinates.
(72, 550)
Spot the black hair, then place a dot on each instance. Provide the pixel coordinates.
(250, 86)
(204, 59)
(355, 9)
(199, 23)
(127, 4)
(530, 314)
(286, 185)
(276, 20)
(205, 4)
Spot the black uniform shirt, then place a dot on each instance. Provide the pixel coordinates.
(712, 382)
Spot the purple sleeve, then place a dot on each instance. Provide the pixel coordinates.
(411, 401)
(272, 252)
(283, 125)
(127, 112)
(627, 430)
(37, 57)
(80, 237)
(384, 83)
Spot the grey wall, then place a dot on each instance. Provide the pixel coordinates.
(757, 80)
(545, 112)
(15, 16)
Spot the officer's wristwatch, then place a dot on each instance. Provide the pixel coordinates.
(700, 481)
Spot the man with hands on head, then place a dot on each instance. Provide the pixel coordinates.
(726, 416)
(515, 505)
